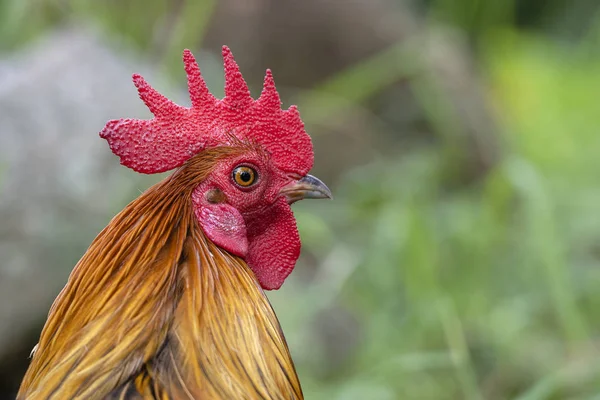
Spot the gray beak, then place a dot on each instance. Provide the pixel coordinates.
(308, 187)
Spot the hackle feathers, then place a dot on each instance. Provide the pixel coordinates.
(154, 310)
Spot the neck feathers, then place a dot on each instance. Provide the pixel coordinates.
(155, 310)
(226, 342)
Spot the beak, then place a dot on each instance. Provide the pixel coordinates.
(307, 187)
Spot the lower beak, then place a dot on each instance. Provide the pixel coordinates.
(307, 187)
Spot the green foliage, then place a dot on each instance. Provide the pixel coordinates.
(175, 24)
(480, 291)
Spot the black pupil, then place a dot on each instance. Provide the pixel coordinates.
(245, 176)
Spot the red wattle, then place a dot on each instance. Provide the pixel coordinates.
(274, 245)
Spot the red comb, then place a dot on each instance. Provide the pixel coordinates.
(177, 133)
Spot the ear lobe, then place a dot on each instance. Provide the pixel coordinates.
(224, 226)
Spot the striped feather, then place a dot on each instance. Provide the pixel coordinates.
(154, 310)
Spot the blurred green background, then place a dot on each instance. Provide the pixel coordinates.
(460, 258)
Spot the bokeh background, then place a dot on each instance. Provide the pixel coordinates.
(461, 256)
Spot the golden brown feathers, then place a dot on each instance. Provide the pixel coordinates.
(154, 310)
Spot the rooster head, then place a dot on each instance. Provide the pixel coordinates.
(243, 205)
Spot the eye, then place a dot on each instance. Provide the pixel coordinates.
(244, 176)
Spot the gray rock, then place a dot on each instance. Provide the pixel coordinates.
(59, 182)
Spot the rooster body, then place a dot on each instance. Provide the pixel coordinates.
(168, 301)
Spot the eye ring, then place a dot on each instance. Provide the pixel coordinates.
(244, 176)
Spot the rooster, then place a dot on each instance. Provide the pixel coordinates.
(168, 301)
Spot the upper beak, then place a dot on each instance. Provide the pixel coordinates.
(308, 187)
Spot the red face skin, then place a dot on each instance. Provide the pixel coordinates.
(254, 222)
